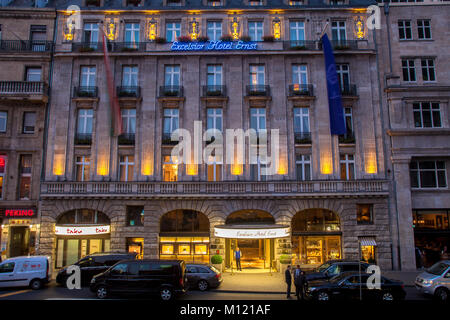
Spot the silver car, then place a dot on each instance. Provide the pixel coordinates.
(435, 280)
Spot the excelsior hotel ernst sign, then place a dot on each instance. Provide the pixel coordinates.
(263, 233)
(216, 45)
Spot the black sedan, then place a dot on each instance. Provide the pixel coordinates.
(203, 276)
(352, 285)
(333, 268)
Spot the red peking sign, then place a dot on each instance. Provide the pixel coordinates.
(20, 213)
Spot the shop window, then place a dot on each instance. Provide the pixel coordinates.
(136, 245)
(189, 249)
(315, 220)
(368, 254)
(83, 216)
(364, 213)
(431, 219)
(135, 215)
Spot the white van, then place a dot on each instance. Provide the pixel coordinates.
(32, 271)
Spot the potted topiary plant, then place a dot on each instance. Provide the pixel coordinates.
(285, 260)
(216, 261)
(184, 39)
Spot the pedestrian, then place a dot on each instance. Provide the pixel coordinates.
(301, 285)
(238, 256)
(297, 273)
(288, 279)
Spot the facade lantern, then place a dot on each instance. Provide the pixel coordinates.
(69, 30)
(276, 24)
(359, 28)
(194, 29)
(152, 29)
(111, 29)
(235, 28)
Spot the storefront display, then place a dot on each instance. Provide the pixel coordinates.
(189, 249)
(136, 245)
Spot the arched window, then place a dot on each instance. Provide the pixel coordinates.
(184, 221)
(315, 220)
(83, 216)
(250, 217)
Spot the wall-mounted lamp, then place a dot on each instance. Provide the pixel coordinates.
(276, 24)
(235, 28)
(194, 29)
(152, 26)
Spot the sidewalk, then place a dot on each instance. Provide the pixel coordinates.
(265, 283)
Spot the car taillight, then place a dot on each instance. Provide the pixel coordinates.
(181, 281)
(47, 268)
(218, 275)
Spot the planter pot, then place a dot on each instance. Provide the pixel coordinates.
(218, 266)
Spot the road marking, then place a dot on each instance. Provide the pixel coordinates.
(13, 293)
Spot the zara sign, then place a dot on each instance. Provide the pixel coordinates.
(217, 45)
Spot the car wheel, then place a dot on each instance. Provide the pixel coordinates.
(101, 292)
(323, 296)
(441, 294)
(387, 296)
(36, 284)
(202, 285)
(166, 294)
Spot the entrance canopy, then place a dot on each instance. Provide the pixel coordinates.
(255, 231)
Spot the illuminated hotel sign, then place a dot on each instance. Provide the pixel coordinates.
(251, 233)
(218, 45)
(81, 231)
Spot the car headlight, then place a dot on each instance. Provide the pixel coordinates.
(93, 280)
(427, 282)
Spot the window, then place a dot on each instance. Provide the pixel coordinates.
(38, 38)
(87, 76)
(33, 74)
(214, 76)
(132, 35)
(404, 30)
(427, 115)
(25, 177)
(364, 213)
(91, 34)
(128, 120)
(348, 137)
(130, 76)
(428, 71)
(257, 75)
(297, 30)
(258, 119)
(214, 118)
(174, 2)
(214, 30)
(301, 120)
(7, 267)
(343, 72)
(409, 70)
(3, 121)
(215, 3)
(3, 160)
(126, 168)
(295, 2)
(428, 174)
(170, 169)
(347, 163)
(82, 168)
(173, 31)
(214, 169)
(84, 121)
(170, 121)
(135, 215)
(299, 74)
(338, 31)
(256, 170)
(29, 122)
(172, 75)
(424, 29)
(255, 2)
(255, 30)
(431, 219)
(303, 167)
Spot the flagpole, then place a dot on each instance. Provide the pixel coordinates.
(323, 30)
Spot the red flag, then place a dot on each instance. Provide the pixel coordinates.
(116, 117)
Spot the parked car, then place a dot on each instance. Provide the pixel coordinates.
(435, 280)
(164, 277)
(353, 285)
(333, 268)
(32, 271)
(94, 264)
(203, 276)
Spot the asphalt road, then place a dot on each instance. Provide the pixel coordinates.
(55, 292)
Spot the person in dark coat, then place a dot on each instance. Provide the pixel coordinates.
(300, 285)
(288, 279)
(297, 273)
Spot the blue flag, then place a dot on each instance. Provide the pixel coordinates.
(337, 124)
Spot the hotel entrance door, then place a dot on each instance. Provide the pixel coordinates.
(255, 253)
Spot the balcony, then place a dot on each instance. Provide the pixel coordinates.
(258, 90)
(348, 138)
(302, 89)
(88, 47)
(126, 46)
(224, 189)
(344, 44)
(302, 137)
(85, 92)
(83, 139)
(214, 91)
(171, 91)
(30, 90)
(25, 46)
(126, 139)
(349, 90)
(128, 92)
(167, 140)
(300, 45)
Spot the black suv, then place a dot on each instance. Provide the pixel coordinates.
(94, 264)
(164, 277)
(333, 268)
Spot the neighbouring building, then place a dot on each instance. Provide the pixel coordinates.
(330, 196)
(26, 42)
(414, 53)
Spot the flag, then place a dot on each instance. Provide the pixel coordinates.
(115, 116)
(337, 123)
